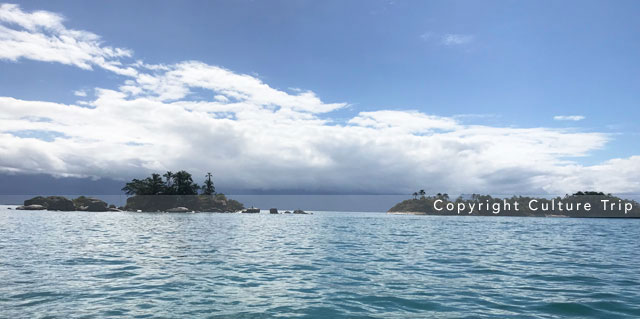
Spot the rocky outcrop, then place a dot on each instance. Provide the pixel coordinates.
(217, 203)
(90, 204)
(300, 212)
(31, 207)
(38, 200)
(273, 211)
(51, 203)
(61, 203)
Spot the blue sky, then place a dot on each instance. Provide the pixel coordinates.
(502, 64)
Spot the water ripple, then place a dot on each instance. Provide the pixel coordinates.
(327, 265)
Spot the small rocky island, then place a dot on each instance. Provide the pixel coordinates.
(60, 203)
(170, 192)
(587, 204)
(177, 192)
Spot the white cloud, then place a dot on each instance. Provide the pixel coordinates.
(80, 93)
(254, 136)
(41, 36)
(405, 121)
(261, 147)
(221, 98)
(176, 82)
(456, 39)
(568, 117)
(11, 13)
(620, 175)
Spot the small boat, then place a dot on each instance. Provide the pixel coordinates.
(251, 210)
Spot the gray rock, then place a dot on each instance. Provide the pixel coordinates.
(273, 211)
(52, 203)
(300, 211)
(38, 200)
(90, 204)
(60, 203)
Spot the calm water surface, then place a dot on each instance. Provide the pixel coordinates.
(327, 265)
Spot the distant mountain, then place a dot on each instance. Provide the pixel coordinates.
(31, 184)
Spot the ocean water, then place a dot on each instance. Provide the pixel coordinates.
(326, 265)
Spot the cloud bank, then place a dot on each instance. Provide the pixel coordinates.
(200, 117)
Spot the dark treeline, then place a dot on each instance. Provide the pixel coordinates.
(569, 205)
(179, 183)
(177, 190)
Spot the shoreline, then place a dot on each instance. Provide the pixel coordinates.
(500, 215)
(407, 213)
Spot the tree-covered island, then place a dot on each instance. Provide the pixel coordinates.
(170, 192)
(581, 204)
(177, 192)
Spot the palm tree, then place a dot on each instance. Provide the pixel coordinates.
(422, 193)
(179, 183)
(168, 183)
(183, 184)
(208, 188)
(156, 186)
(135, 187)
(415, 195)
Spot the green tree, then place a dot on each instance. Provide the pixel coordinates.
(422, 193)
(149, 186)
(183, 184)
(168, 185)
(179, 183)
(155, 184)
(135, 187)
(208, 188)
(415, 195)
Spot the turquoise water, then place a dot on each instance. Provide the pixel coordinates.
(326, 265)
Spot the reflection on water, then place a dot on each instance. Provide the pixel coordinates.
(324, 265)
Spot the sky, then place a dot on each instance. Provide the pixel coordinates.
(345, 97)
